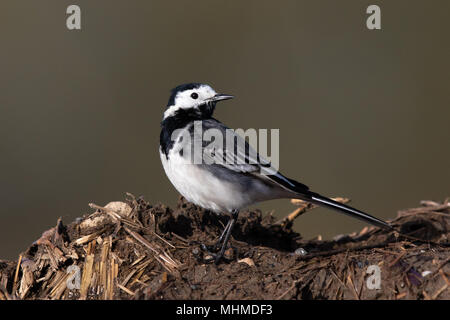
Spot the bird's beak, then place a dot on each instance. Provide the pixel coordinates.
(220, 97)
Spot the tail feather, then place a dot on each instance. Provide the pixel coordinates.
(342, 208)
(304, 193)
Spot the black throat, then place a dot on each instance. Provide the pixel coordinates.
(180, 119)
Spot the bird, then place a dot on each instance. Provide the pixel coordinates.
(225, 187)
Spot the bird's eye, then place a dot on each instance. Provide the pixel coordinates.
(194, 95)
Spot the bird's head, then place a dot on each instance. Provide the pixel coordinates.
(194, 99)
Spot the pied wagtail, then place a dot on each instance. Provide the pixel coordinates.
(228, 186)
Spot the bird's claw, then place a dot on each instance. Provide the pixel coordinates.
(209, 249)
(214, 253)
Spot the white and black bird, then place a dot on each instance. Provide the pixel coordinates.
(228, 186)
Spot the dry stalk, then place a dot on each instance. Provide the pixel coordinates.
(161, 256)
(304, 206)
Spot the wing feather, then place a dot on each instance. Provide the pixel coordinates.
(240, 156)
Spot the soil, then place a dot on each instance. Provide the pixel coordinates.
(135, 250)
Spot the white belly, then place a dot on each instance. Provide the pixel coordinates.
(201, 187)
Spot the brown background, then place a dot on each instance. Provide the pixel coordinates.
(363, 114)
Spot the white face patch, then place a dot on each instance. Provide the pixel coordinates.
(184, 99)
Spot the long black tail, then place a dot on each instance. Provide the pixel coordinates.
(342, 208)
(303, 192)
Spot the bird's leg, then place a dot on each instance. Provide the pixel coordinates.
(216, 246)
(229, 228)
(219, 241)
(223, 239)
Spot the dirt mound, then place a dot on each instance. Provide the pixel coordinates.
(134, 250)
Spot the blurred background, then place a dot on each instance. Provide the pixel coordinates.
(362, 114)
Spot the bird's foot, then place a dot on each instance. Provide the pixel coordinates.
(210, 249)
(212, 252)
(222, 243)
(216, 253)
